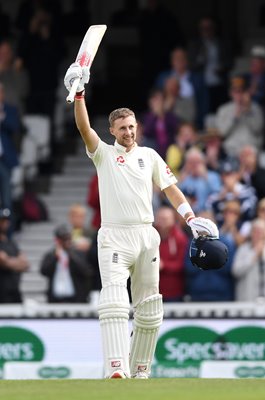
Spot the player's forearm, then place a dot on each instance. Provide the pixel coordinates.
(179, 201)
(89, 136)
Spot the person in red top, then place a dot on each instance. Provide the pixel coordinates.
(173, 248)
(93, 202)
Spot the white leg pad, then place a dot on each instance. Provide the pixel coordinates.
(148, 318)
(113, 312)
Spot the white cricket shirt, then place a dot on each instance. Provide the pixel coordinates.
(126, 182)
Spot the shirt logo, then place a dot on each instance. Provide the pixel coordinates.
(168, 170)
(141, 163)
(115, 258)
(120, 160)
(202, 254)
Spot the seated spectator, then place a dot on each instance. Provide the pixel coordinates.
(69, 275)
(15, 81)
(80, 234)
(211, 144)
(249, 265)
(231, 227)
(185, 138)
(191, 84)
(196, 178)
(173, 248)
(233, 189)
(12, 263)
(251, 173)
(255, 77)
(240, 122)
(10, 127)
(159, 126)
(210, 285)
(183, 107)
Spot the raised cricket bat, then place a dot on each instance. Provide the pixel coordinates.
(87, 52)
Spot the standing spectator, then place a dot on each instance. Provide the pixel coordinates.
(9, 128)
(195, 178)
(251, 173)
(249, 265)
(158, 29)
(183, 107)
(159, 125)
(191, 84)
(15, 81)
(68, 273)
(12, 263)
(211, 55)
(255, 77)
(172, 249)
(240, 121)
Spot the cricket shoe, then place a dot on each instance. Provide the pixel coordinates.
(140, 375)
(118, 374)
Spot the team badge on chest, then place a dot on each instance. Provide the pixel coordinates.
(120, 160)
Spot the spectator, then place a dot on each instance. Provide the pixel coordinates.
(183, 107)
(93, 202)
(40, 51)
(15, 81)
(231, 227)
(158, 29)
(211, 144)
(233, 189)
(173, 248)
(12, 263)
(9, 128)
(255, 77)
(80, 235)
(195, 178)
(68, 273)
(251, 173)
(240, 121)
(249, 265)
(159, 126)
(191, 84)
(210, 55)
(185, 138)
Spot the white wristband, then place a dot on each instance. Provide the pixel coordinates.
(184, 208)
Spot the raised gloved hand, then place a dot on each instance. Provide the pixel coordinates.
(75, 71)
(203, 227)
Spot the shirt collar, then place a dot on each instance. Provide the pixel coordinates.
(122, 148)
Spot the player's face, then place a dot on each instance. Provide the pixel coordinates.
(124, 130)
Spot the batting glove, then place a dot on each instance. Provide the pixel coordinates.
(203, 227)
(75, 71)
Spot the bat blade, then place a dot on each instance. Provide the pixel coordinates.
(87, 52)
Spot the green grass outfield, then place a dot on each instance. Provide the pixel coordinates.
(152, 389)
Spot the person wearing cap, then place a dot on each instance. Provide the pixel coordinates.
(69, 275)
(12, 262)
(240, 121)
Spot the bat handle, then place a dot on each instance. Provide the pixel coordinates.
(71, 95)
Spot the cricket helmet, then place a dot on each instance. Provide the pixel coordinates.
(208, 253)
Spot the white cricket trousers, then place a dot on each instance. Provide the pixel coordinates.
(130, 251)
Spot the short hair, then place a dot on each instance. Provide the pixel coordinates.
(120, 113)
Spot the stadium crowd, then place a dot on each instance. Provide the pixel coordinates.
(203, 118)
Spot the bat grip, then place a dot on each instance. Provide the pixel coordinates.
(71, 95)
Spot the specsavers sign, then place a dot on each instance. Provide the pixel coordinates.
(181, 350)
